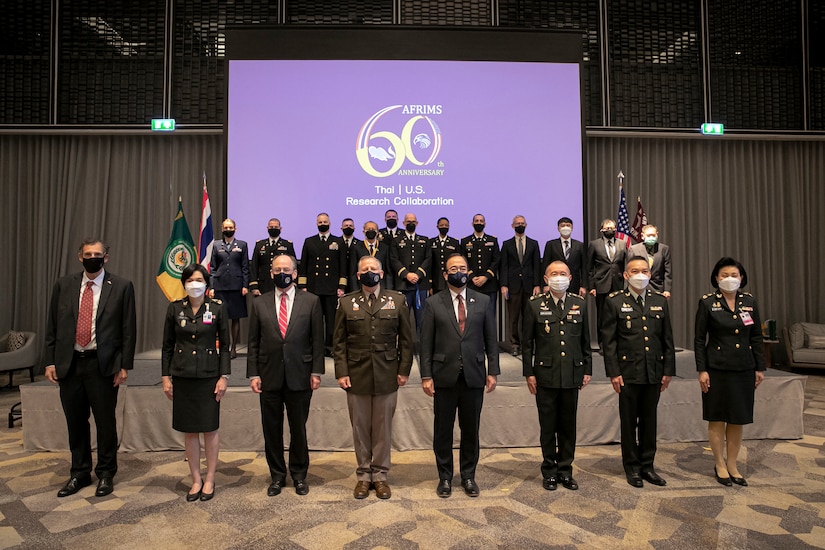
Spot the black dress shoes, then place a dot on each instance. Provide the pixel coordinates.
(104, 487)
(569, 483)
(550, 483)
(207, 496)
(444, 489)
(652, 477)
(739, 481)
(274, 488)
(470, 487)
(192, 497)
(301, 487)
(74, 485)
(723, 480)
(635, 480)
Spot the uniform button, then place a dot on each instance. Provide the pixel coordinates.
(734, 316)
(718, 348)
(373, 337)
(624, 357)
(644, 328)
(647, 348)
(194, 352)
(541, 363)
(736, 331)
(644, 318)
(562, 354)
(646, 338)
(562, 342)
(561, 322)
(561, 332)
(737, 346)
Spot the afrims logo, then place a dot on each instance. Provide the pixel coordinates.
(382, 151)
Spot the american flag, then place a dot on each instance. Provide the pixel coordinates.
(623, 221)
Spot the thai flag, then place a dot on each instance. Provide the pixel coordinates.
(623, 221)
(206, 236)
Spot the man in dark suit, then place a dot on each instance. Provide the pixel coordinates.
(483, 259)
(229, 267)
(285, 364)
(410, 259)
(441, 247)
(370, 246)
(90, 347)
(260, 279)
(605, 262)
(373, 357)
(658, 258)
(348, 229)
(458, 331)
(571, 252)
(640, 359)
(519, 276)
(390, 230)
(323, 272)
(556, 361)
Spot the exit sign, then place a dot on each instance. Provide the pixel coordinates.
(713, 129)
(163, 124)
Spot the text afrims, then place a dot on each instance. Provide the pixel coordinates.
(421, 110)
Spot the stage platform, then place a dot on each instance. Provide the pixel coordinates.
(509, 417)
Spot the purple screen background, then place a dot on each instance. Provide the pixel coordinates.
(511, 143)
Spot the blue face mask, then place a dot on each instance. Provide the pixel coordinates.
(651, 241)
(369, 278)
(282, 280)
(457, 279)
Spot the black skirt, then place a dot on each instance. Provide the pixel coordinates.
(730, 397)
(194, 409)
(234, 303)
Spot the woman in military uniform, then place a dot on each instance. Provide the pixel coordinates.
(731, 364)
(195, 368)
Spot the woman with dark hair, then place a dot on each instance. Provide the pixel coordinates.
(731, 364)
(195, 364)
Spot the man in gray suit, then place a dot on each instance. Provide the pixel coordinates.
(658, 258)
(457, 332)
(285, 362)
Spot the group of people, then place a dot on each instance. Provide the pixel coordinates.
(440, 292)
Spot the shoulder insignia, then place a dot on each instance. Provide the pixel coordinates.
(576, 296)
(708, 295)
(615, 293)
(537, 296)
(657, 292)
(217, 301)
(747, 294)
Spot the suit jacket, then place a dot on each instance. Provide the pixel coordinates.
(115, 324)
(722, 339)
(188, 349)
(637, 342)
(262, 256)
(445, 350)
(555, 347)
(661, 276)
(524, 275)
(322, 270)
(483, 258)
(438, 260)
(385, 235)
(408, 256)
(347, 252)
(373, 345)
(382, 253)
(286, 360)
(229, 265)
(605, 276)
(577, 262)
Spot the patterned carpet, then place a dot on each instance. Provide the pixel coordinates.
(784, 507)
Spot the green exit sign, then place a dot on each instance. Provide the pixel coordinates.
(713, 129)
(163, 124)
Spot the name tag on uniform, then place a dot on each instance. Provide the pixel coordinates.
(281, 248)
(627, 309)
(236, 249)
(574, 312)
(746, 318)
(656, 308)
(207, 318)
(545, 313)
(489, 244)
(716, 309)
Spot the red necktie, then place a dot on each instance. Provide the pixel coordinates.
(83, 331)
(462, 314)
(282, 315)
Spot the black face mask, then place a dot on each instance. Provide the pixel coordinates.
(457, 279)
(348, 231)
(93, 265)
(371, 234)
(369, 278)
(608, 234)
(479, 227)
(410, 227)
(443, 231)
(392, 224)
(323, 228)
(282, 280)
(229, 234)
(520, 229)
(274, 232)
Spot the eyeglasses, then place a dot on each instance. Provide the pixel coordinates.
(455, 269)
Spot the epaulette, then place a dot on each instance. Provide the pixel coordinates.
(615, 293)
(708, 295)
(659, 292)
(746, 293)
(570, 294)
(217, 301)
(537, 296)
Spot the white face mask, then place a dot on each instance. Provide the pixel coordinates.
(558, 283)
(565, 231)
(639, 280)
(729, 284)
(195, 289)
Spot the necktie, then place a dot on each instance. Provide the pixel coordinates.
(323, 238)
(462, 314)
(372, 250)
(83, 331)
(650, 260)
(520, 249)
(282, 315)
(566, 250)
(560, 307)
(370, 299)
(610, 250)
(640, 301)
